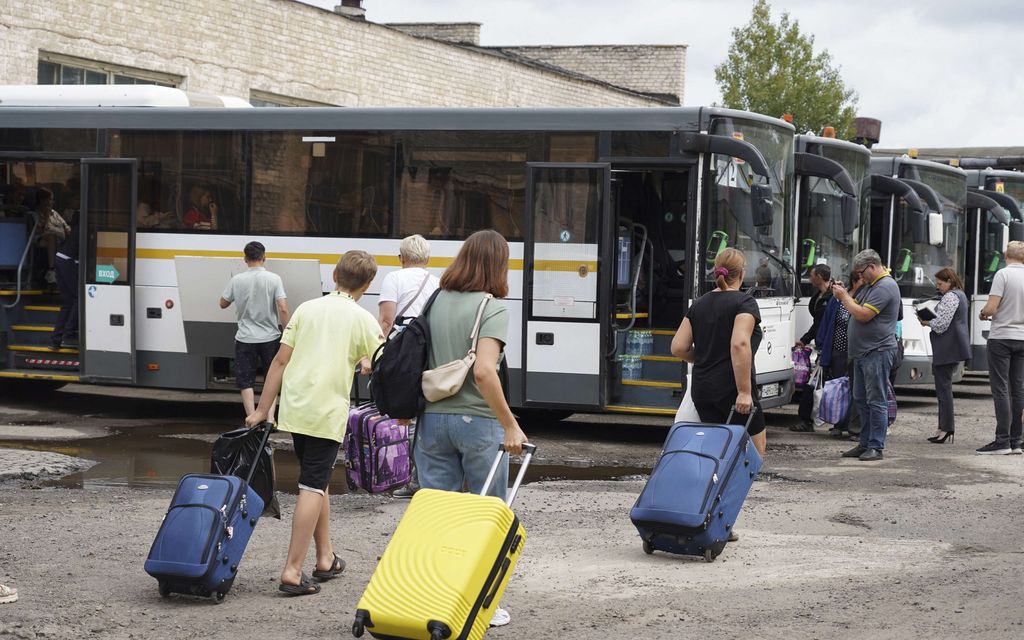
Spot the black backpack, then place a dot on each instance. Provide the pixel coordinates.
(398, 367)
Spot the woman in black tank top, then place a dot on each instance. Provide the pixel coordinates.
(719, 337)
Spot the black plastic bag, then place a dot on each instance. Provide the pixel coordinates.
(234, 453)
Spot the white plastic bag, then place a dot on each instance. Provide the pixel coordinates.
(817, 382)
(687, 411)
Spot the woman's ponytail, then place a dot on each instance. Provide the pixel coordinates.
(729, 266)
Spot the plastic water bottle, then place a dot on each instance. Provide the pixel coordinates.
(632, 343)
(630, 368)
(648, 343)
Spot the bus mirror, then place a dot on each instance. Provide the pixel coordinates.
(762, 210)
(919, 227)
(849, 211)
(935, 229)
(1016, 230)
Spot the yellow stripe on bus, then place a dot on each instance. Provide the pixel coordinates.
(331, 259)
(39, 376)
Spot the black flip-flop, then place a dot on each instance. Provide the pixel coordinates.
(336, 568)
(304, 588)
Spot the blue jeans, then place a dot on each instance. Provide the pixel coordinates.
(870, 388)
(454, 450)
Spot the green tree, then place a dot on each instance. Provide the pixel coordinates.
(772, 69)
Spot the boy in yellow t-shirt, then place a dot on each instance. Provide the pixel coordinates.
(313, 371)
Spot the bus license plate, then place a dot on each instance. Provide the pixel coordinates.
(771, 390)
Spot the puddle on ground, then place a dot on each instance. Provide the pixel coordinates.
(146, 457)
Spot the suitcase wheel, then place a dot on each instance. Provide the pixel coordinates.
(165, 589)
(709, 555)
(358, 628)
(648, 549)
(218, 596)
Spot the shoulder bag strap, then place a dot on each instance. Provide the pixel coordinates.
(475, 335)
(414, 298)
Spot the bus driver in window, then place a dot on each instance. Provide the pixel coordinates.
(202, 210)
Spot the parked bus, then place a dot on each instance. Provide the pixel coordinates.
(916, 235)
(832, 189)
(994, 203)
(614, 217)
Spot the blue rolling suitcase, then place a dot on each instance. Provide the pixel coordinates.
(204, 534)
(696, 490)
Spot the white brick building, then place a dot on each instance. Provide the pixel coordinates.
(287, 52)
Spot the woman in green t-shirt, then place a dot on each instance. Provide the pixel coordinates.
(458, 436)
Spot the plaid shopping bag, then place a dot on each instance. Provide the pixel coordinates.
(835, 401)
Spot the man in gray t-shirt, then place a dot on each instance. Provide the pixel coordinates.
(1005, 308)
(262, 309)
(872, 349)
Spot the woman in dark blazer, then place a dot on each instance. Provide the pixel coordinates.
(951, 346)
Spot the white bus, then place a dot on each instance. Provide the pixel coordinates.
(994, 201)
(833, 203)
(613, 215)
(916, 237)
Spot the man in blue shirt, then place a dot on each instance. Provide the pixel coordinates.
(872, 347)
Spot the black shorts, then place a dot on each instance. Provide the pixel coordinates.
(316, 461)
(252, 359)
(718, 413)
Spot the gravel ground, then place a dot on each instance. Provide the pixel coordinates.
(923, 544)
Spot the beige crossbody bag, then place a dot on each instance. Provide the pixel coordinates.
(446, 380)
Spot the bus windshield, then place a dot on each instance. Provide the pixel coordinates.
(915, 261)
(1012, 188)
(990, 251)
(730, 223)
(829, 239)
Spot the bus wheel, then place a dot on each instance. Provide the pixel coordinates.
(542, 416)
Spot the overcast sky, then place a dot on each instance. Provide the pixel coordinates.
(936, 72)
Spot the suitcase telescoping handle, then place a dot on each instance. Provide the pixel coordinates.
(750, 416)
(268, 428)
(528, 451)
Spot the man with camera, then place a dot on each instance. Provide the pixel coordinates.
(872, 347)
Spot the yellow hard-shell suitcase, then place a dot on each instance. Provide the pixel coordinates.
(446, 567)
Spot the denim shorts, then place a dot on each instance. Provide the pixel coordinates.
(455, 452)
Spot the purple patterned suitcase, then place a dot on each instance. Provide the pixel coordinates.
(378, 451)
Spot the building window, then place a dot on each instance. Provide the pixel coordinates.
(267, 99)
(59, 69)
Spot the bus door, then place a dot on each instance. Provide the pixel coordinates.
(567, 282)
(107, 270)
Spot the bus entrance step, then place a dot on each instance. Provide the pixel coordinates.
(27, 374)
(51, 361)
(646, 393)
(32, 334)
(654, 411)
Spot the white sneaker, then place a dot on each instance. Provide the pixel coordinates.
(51, 276)
(10, 594)
(500, 618)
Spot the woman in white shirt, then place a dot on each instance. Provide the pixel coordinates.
(403, 295)
(404, 292)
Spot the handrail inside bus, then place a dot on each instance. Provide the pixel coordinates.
(645, 244)
(24, 257)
